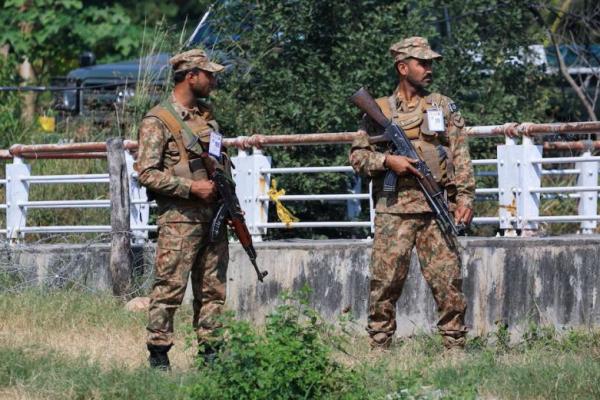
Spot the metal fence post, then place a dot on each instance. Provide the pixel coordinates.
(251, 183)
(139, 209)
(530, 178)
(508, 184)
(518, 179)
(371, 208)
(17, 191)
(588, 201)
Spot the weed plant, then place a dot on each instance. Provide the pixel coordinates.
(76, 345)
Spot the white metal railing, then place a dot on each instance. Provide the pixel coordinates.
(519, 191)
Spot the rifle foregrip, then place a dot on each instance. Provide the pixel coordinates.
(389, 181)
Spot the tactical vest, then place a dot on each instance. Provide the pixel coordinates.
(432, 147)
(187, 140)
(192, 152)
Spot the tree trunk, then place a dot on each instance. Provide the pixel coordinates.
(121, 258)
(27, 74)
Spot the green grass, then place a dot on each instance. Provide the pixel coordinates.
(75, 345)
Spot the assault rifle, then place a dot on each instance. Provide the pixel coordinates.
(229, 210)
(402, 146)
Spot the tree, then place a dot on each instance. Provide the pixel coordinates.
(574, 30)
(298, 61)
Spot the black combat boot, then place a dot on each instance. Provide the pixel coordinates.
(159, 358)
(207, 353)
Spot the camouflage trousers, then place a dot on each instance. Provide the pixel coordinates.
(183, 248)
(395, 237)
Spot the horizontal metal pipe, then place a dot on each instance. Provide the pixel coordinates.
(491, 161)
(66, 204)
(333, 224)
(564, 160)
(66, 229)
(19, 149)
(531, 129)
(564, 218)
(561, 189)
(487, 190)
(245, 142)
(566, 171)
(85, 147)
(91, 178)
(485, 220)
(63, 156)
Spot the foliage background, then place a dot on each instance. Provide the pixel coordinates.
(294, 65)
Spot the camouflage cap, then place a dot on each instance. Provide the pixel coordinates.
(415, 47)
(196, 58)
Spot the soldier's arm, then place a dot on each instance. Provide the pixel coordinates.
(463, 169)
(153, 138)
(364, 158)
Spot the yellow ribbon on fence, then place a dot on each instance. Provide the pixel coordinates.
(283, 213)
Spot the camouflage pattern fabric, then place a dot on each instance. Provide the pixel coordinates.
(413, 47)
(183, 249)
(196, 58)
(395, 237)
(404, 219)
(157, 156)
(368, 160)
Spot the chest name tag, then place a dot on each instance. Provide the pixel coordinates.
(435, 120)
(214, 147)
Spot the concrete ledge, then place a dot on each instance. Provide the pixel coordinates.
(550, 281)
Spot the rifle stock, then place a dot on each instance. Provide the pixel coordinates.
(363, 100)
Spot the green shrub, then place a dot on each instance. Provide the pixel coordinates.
(290, 360)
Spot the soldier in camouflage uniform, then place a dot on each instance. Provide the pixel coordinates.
(173, 138)
(404, 219)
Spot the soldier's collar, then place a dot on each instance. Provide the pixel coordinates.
(183, 111)
(414, 103)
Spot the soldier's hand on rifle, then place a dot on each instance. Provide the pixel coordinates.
(204, 189)
(401, 165)
(463, 215)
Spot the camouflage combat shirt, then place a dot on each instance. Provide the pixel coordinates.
(158, 153)
(368, 160)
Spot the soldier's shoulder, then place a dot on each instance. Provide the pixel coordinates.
(450, 107)
(384, 105)
(155, 111)
(151, 123)
(442, 100)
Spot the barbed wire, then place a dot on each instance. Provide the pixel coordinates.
(54, 262)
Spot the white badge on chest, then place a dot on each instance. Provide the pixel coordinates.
(435, 120)
(214, 147)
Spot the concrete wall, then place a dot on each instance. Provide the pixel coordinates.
(551, 281)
